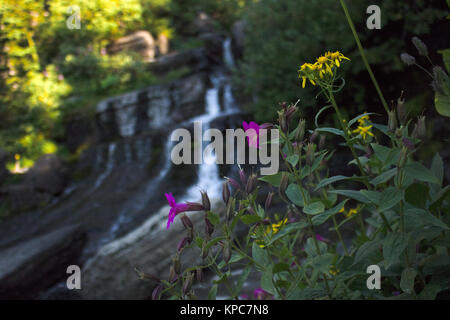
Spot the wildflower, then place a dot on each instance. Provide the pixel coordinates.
(233, 182)
(324, 66)
(272, 230)
(177, 208)
(225, 192)
(351, 212)
(334, 271)
(252, 132)
(242, 176)
(205, 201)
(364, 131)
(157, 292)
(261, 294)
(320, 238)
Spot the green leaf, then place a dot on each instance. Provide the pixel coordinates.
(323, 262)
(314, 208)
(267, 283)
(328, 181)
(369, 252)
(331, 130)
(273, 180)
(439, 198)
(393, 246)
(321, 218)
(416, 218)
(384, 177)
(293, 160)
(294, 194)
(243, 278)
(407, 280)
(280, 267)
(437, 167)
(250, 218)
(419, 172)
(381, 152)
(212, 292)
(260, 255)
(357, 195)
(389, 198)
(442, 104)
(417, 194)
(214, 218)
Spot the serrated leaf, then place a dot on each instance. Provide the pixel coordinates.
(328, 181)
(384, 177)
(420, 172)
(393, 246)
(321, 218)
(314, 208)
(294, 194)
(407, 280)
(357, 195)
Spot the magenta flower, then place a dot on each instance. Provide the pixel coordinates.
(320, 238)
(261, 294)
(177, 208)
(252, 131)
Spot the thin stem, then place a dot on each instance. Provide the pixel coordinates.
(363, 55)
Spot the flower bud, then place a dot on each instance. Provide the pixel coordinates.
(233, 182)
(284, 183)
(322, 141)
(300, 130)
(190, 234)
(420, 46)
(205, 201)
(188, 282)
(183, 242)
(251, 184)
(225, 192)
(310, 150)
(172, 275)
(392, 121)
(408, 143)
(290, 113)
(199, 274)
(230, 209)
(157, 292)
(187, 223)
(147, 276)
(209, 228)
(421, 128)
(242, 176)
(401, 111)
(269, 200)
(194, 206)
(176, 264)
(282, 121)
(226, 251)
(408, 59)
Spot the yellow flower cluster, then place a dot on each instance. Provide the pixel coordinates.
(350, 212)
(364, 129)
(324, 66)
(274, 228)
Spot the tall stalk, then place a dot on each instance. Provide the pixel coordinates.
(363, 55)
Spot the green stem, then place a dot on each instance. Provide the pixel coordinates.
(363, 55)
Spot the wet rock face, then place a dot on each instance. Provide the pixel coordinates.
(153, 108)
(27, 268)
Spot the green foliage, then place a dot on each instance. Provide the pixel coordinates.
(282, 34)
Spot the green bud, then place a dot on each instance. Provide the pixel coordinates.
(403, 157)
(300, 130)
(392, 121)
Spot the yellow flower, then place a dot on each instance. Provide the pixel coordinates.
(334, 271)
(272, 229)
(364, 131)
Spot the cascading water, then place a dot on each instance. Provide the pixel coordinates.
(109, 165)
(208, 171)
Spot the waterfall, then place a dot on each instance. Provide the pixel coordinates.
(208, 173)
(109, 165)
(227, 54)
